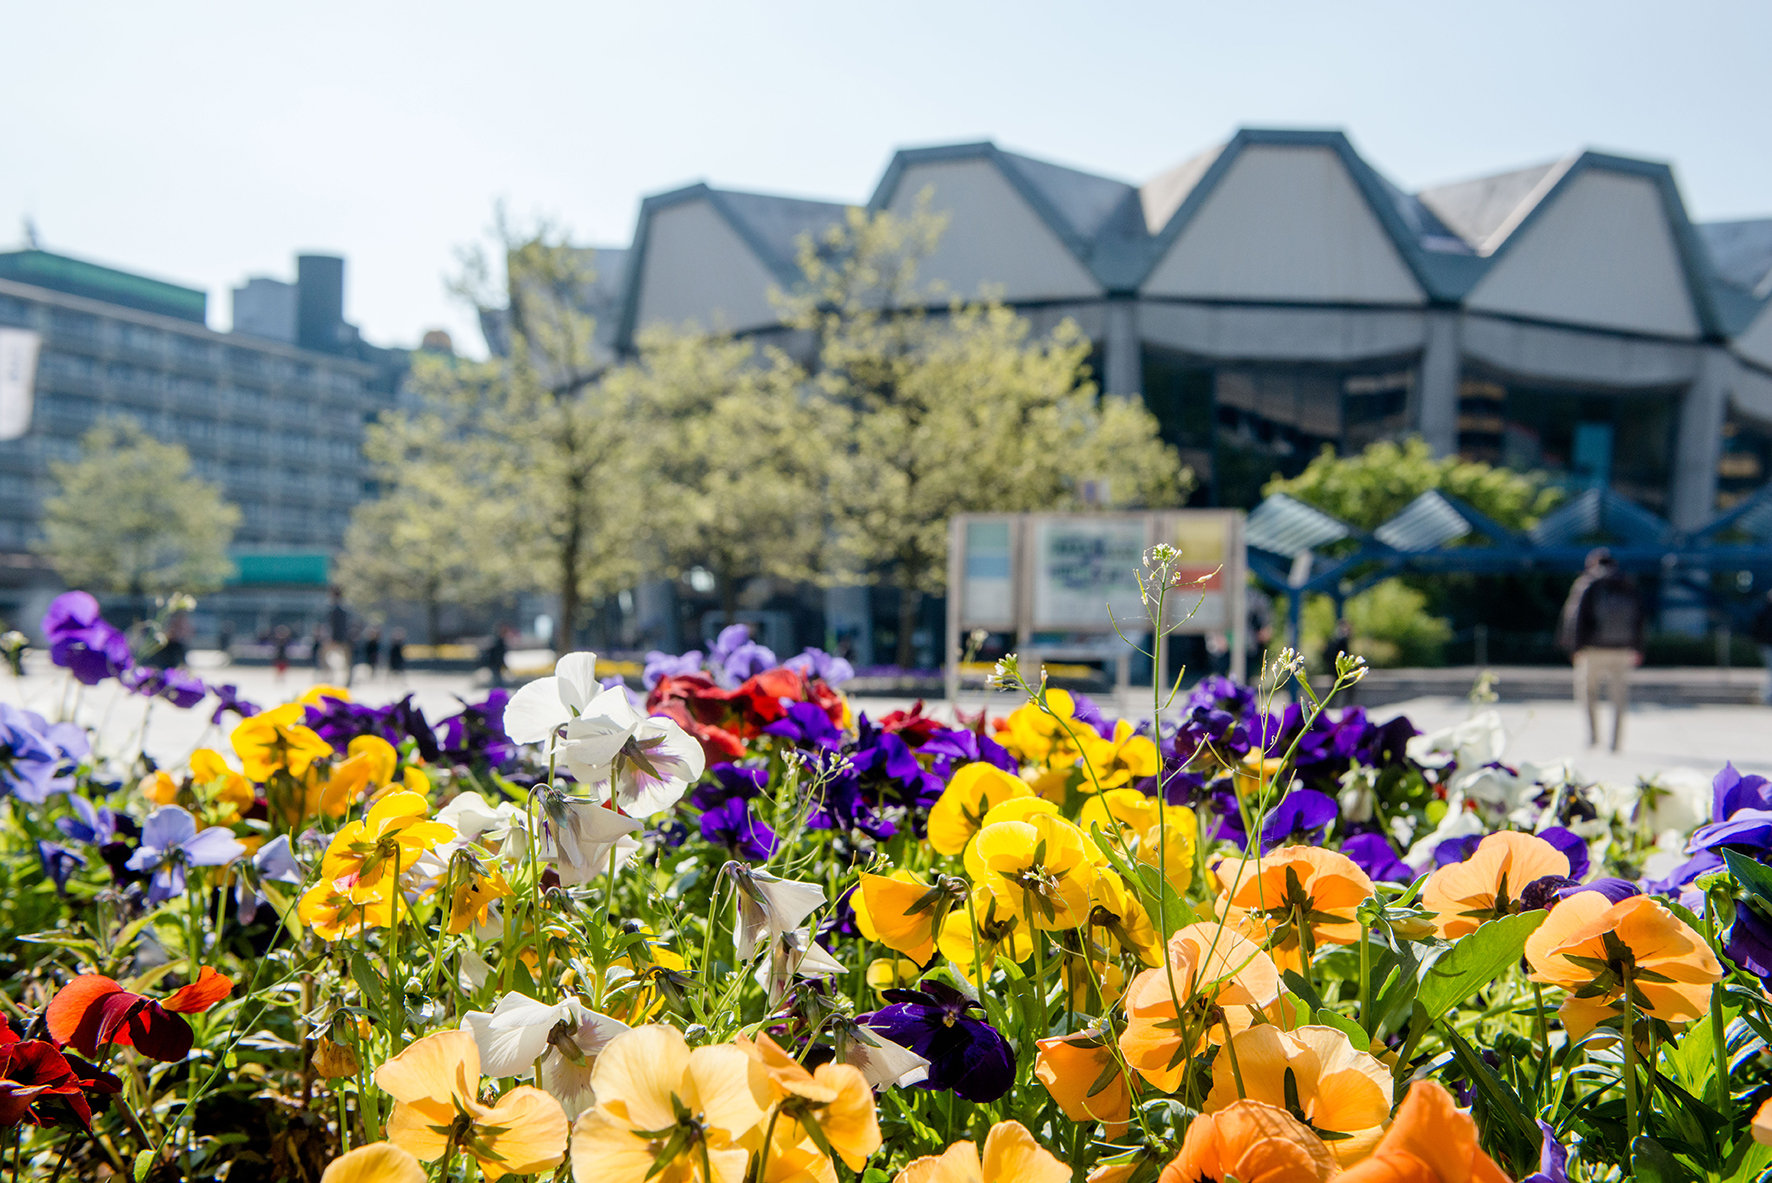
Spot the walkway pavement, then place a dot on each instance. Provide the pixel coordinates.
(1699, 737)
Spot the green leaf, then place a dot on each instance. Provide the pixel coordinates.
(1651, 1163)
(1501, 1097)
(1474, 961)
(1356, 1036)
(366, 978)
(1755, 877)
(143, 1162)
(1301, 986)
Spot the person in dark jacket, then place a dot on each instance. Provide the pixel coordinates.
(1602, 630)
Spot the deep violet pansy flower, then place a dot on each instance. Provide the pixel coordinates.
(733, 825)
(807, 723)
(965, 1053)
(1375, 855)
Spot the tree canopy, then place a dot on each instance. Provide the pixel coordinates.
(129, 517)
(1368, 488)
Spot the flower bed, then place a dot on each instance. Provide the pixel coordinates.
(732, 930)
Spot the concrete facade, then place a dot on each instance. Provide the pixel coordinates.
(1276, 294)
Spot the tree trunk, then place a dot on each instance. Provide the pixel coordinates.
(434, 620)
(909, 601)
(567, 631)
(728, 595)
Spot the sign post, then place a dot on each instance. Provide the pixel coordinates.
(1061, 583)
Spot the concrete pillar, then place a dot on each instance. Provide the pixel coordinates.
(1436, 409)
(1122, 351)
(1699, 444)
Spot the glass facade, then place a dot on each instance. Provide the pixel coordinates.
(1745, 460)
(280, 430)
(1576, 437)
(1240, 425)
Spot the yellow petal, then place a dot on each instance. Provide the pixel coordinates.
(639, 1071)
(1012, 1156)
(533, 1137)
(435, 1068)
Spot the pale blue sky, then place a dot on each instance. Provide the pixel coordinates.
(205, 143)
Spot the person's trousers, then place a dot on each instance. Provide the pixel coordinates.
(1613, 666)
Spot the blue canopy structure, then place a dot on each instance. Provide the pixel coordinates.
(1297, 548)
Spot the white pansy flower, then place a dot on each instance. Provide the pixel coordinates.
(769, 907)
(649, 761)
(578, 837)
(1479, 740)
(564, 1037)
(794, 955)
(539, 709)
(885, 1064)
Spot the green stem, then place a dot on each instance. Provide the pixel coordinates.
(1366, 1015)
(1630, 1061)
(1230, 1049)
(396, 1003)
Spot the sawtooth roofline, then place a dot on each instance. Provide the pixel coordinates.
(1445, 276)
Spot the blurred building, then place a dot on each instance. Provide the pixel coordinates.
(272, 412)
(1276, 293)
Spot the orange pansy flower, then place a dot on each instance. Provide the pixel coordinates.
(1430, 1140)
(1250, 1142)
(435, 1084)
(1307, 896)
(1488, 884)
(1589, 946)
(1080, 1072)
(1169, 1010)
(836, 1099)
(1010, 1156)
(1315, 1074)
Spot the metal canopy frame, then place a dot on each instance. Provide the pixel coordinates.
(1297, 549)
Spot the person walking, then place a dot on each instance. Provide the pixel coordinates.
(1602, 630)
(497, 653)
(1762, 635)
(339, 649)
(372, 650)
(397, 656)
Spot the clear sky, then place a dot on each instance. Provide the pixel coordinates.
(208, 142)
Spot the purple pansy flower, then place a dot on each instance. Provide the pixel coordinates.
(92, 824)
(816, 663)
(1085, 710)
(82, 642)
(28, 758)
(965, 1053)
(807, 723)
(1615, 889)
(171, 842)
(1302, 816)
(1456, 850)
(229, 699)
(741, 781)
(1573, 846)
(954, 748)
(732, 824)
(1373, 853)
(59, 862)
(1553, 1159)
(274, 862)
(661, 665)
(1750, 943)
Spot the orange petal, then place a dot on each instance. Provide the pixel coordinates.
(198, 996)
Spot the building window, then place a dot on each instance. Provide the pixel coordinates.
(1745, 460)
(1577, 438)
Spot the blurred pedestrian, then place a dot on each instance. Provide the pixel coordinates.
(397, 655)
(339, 650)
(498, 653)
(280, 638)
(1602, 630)
(1762, 635)
(372, 650)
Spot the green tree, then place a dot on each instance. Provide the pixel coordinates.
(544, 452)
(409, 545)
(957, 410)
(739, 480)
(128, 516)
(1370, 487)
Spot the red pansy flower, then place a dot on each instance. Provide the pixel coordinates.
(33, 1072)
(912, 726)
(92, 1011)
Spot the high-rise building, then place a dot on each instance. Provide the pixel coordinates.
(272, 412)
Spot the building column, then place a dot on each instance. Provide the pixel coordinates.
(1436, 411)
(1699, 444)
(1122, 351)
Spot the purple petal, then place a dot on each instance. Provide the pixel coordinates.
(214, 847)
(168, 826)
